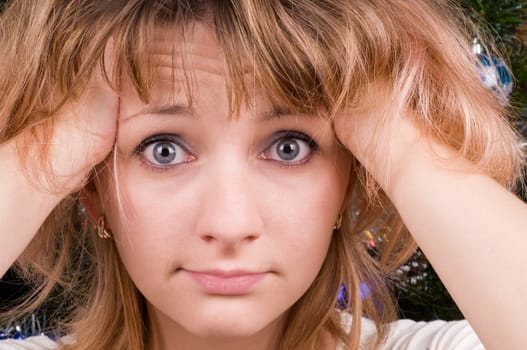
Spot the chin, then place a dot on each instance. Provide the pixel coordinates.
(226, 328)
(233, 319)
(231, 325)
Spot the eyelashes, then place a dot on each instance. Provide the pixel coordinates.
(290, 148)
(165, 151)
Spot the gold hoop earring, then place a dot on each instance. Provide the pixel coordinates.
(102, 232)
(338, 224)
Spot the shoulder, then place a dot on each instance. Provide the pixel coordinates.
(412, 335)
(455, 335)
(31, 343)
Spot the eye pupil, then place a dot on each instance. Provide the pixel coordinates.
(288, 149)
(164, 152)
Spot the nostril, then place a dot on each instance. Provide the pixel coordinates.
(251, 238)
(207, 238)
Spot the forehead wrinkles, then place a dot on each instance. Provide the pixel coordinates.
(193, 49)
(177, 55)
(177, 58)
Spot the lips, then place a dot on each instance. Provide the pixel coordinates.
(226, 282)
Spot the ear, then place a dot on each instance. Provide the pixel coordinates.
(91, 201)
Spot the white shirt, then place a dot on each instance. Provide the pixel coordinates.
(411, 335)
(404, 335)
(31, 343)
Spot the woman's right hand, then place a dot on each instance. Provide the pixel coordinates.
(84, 133)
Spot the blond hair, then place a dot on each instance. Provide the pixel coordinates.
(309, 56)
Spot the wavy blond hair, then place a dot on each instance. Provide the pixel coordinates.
(312, 56)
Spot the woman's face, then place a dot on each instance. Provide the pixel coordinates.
(222, 223)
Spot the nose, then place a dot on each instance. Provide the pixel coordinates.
(230, 212)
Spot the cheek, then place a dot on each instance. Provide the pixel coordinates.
(308, 221)
(148, 228)
(320, 206)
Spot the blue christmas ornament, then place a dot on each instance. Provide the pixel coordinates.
(342, 299)
(18, 333)
(493, 73)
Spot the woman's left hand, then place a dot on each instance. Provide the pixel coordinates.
(379, 138)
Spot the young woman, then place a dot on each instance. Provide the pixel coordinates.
(198, 174)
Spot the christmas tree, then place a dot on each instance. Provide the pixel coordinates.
(505, 21)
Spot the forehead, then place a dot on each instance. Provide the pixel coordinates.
(182, 63)
(175, 53)
(188, 67)
(194, 47)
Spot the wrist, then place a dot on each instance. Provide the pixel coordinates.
(52, 168)
(390, 154)
(421, 164)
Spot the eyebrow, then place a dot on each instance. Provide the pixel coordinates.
(166, 109)
(163, 109)
(277, 113)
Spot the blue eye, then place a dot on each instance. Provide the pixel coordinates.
(163, 150)
(291, 147)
